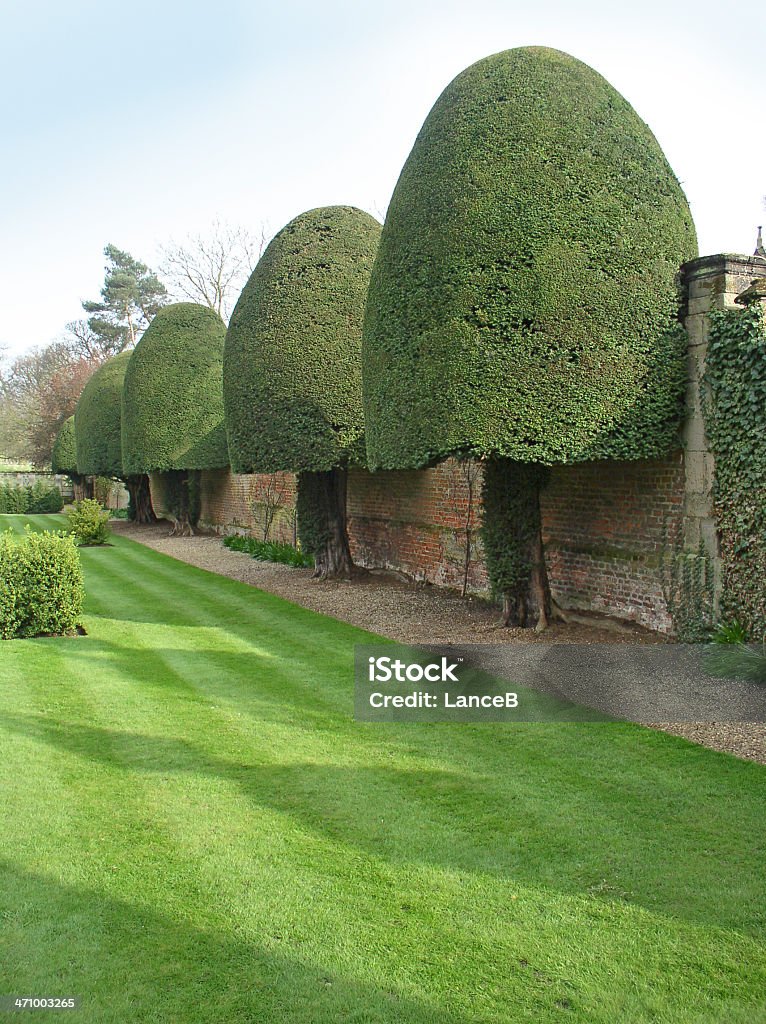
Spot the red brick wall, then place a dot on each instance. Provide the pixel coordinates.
(419, 522)
(245, 503)
(603, 523)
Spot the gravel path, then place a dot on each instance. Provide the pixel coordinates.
(413, 614)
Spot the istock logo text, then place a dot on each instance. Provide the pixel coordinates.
(383, 670)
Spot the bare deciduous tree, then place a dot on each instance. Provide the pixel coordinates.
(39, 391)
(212, 268)
(84, 341)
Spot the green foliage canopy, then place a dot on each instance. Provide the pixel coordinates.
(97, 420)
(64, 456)
(131, 296)
(292, 372)
(523, 300)
(172, 399)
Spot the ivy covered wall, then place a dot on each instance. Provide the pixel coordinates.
(734, 405)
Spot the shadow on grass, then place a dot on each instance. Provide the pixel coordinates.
(127, 963)
(556, 830)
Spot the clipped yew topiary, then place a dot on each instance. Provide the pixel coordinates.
(98, 434)
(523, 305)
(64, 455)
(292, 370)
(172, 403)
(64, 458)
(97, 424)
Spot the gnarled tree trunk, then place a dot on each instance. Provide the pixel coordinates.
(322, 527)
(80, 486)
(513, 542)
(181, 501)
(140, 499)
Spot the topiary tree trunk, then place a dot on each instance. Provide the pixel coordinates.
(322, 524)
(140, 506)
(513, 543)
(80, 486)
(182, 500)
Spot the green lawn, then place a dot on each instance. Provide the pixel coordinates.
(194, 829)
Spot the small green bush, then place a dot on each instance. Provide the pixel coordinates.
(39, 498)
(89, 522)
(13, 499)
(44, 499)
(41, 585)
(269, 551)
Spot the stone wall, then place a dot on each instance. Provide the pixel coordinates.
(711, 282)
(29, 478)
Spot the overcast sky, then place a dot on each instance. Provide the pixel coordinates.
(141, 122)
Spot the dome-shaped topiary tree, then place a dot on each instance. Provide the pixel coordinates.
(523, 306)
(172, 404)
(98, 434)
(64, 459)
(292, 370)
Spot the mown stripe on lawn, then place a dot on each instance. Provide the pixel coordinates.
(259, 863)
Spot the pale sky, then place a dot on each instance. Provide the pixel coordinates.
(137, 123)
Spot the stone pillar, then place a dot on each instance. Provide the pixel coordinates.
(711, 282)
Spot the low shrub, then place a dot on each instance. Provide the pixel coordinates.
(102, 488)
(13, 499)
(89, 522)
(41, 585)
(37, 498)
(44, 499)
(737, 661)
(269, 551)
(732, 632)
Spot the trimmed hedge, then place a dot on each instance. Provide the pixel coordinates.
(37, 498)
(41, 585)
(97, 420)
(523, 301)
(172, 399)
(292, 371)
(64, 456)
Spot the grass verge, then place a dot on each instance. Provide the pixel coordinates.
(195, 829)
